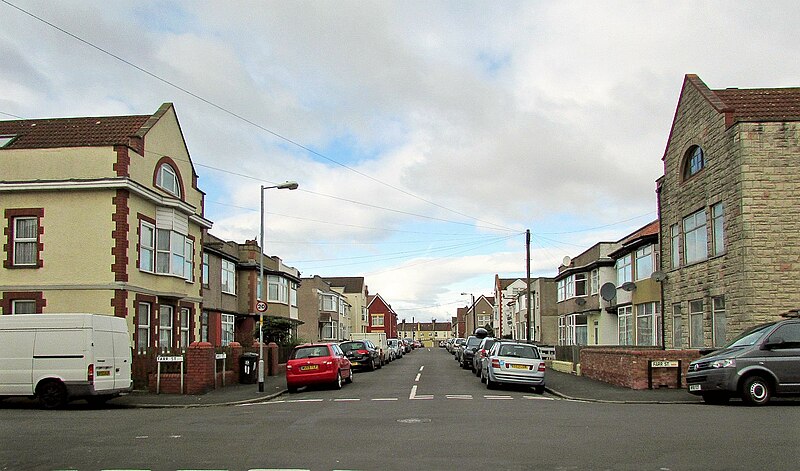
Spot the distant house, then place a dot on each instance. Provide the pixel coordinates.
(544, 313)
(356, 291)
(382, 317)
(727, 202)
(324, 311)
(103, 215)
(506, 291)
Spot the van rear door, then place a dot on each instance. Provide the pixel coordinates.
(122, 360)
(104, 369)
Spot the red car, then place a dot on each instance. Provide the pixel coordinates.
(318, 363)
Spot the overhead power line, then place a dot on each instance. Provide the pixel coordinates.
(244, 119)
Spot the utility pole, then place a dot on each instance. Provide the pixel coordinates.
(528, 290)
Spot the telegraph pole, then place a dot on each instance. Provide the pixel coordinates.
(528, 273)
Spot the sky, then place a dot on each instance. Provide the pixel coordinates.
(426, 136)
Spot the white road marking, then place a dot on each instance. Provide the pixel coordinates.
(413, 394)
(538, 398)
(490, 397)
(384, 399)
(459, 396)
(416, 380)
(421, 368)
(347, 400)
(306, 400)
(142, 437)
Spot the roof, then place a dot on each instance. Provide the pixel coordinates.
(351, 284)
(751, 104)
(72, 132)
(638, 238)
(648, 230)
(506, 282)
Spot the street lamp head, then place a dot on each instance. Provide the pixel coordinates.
(465, 294)
(289, 185)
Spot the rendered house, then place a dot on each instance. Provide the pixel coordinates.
(728, 204)
(505, 293)
(324, 311)
(103, 215)
(355, 289)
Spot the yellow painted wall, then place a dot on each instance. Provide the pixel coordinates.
(50, 164)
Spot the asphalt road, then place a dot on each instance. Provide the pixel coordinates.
(419, 413)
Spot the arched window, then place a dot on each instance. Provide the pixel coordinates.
(694, 161)
(167, 179)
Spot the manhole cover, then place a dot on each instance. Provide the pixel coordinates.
(414, 421)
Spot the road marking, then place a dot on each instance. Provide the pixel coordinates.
(306, 400)
(539, 398)
(142, 437)
(384, 399)
(496, 398)
(416, 380)
(459, 396)
(421, 368)
(347, 400)
(413, 394)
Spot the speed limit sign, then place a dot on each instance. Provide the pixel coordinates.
(261, 306)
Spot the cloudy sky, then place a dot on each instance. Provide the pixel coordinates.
(426, 136)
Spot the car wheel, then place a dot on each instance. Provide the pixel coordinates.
(755, 391)
(716, 398)
(380, 363)
(52, 394)
(538, 389)
(291, 389)
(489, 383)
(372, 365)
(337, 384)
(349, 379)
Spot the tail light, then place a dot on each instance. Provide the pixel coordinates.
(495, 363)
(327, 363)
(90, 373)
(542, 367)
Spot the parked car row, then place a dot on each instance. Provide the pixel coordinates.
(497, 361)
(329, 363)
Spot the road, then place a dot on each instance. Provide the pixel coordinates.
(423, 413)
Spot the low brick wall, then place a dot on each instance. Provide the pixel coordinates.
(628, 367)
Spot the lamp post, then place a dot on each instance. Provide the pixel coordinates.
(474, 317)
(283, 186)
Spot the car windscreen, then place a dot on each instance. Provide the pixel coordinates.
(750, 337)
(473, 342)
(488, 344)
(347, 346)
(518, 351)
(311, 352)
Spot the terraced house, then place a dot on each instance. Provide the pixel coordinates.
(103, 215)
(728, 205)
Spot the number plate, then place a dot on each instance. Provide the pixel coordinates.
(104, 373)
(309, 367)
(355, 363)
(694, 387)
(520, 367)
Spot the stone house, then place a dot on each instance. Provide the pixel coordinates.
(727, 204)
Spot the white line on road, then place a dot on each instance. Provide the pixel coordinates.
(413, 394)
(538, 398)
(459, 396)
(306, 400)
(384, 399)
(416, 380)
(497, 397)
(347, 400)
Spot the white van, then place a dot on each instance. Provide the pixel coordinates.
(60, 357)
(379, 339)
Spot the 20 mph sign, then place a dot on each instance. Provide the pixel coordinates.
(261, 306)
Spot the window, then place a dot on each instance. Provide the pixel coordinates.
(562, 330)
(167, 180)
(329, 303)
(577, 329)
(277, 289)
(595, 281)
(23, 306)
(147, 246)
(625, 325)
(204, 326)
(228, 277)
(165, 327)
(185, 316)
(227, 329)
(717, 229)
(624, 274)
(648, 324)
(328, 330)
(293, 294)
(677, 326)
(26, 241)
(675, 238)
(143, 327)
(562, 290)
(188, 258)
(205, 269)
(580, 284)
(718, 320)
(570, 287)
(377, 320)
(694, 162)
(695, 237)
(696, 336)
(644, 262)
(7, 139)
(162, 250)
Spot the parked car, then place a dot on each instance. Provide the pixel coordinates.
(319, 363)
(449, 345)
(410, 342)
(481, 353)
(418, 344)
(760, 363)
(395, 348)
(406, 345)
(363, 354)
(457, 345)
(514, 363)
(469, 351)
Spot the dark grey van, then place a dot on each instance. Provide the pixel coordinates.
(760, 363)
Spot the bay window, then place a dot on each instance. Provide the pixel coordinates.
(624, 274)
(625, 325)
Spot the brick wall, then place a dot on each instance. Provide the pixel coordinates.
(629, 367)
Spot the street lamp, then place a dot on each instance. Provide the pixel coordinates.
(474, 317)
(283, 186)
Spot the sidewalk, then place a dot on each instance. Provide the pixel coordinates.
(228, 395)
(569, 386)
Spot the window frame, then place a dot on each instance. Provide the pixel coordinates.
(377, 317)
(695, 237)
(625, 331)
(649, 314)
(677, 325)
(719, 321)
(227, 329)
(174, 179)
(624, 266)
(206, 270)
(185, 327)
(675, 243)
(147, 247)
(166, 324)
(17, 302)
(143, 313)
(228, 280)
(696, 332)
(581, 280)
(718, 228)
(32, 241)
(694, 162)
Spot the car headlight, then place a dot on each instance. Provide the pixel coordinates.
(728, 363)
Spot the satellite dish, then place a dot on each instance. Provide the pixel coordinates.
(608, 291)
(567, 261)
(580, 301)
(658, 276)
(628, 286)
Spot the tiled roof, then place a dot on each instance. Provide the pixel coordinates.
(762, 104)
(72, 132)
(648, 230)
(351, 284)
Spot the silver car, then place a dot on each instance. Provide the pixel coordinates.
(514, 363)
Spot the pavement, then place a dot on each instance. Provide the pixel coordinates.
(563, 385)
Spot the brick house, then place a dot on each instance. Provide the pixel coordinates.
(103, 215)
(727, 203)
(382, 317)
